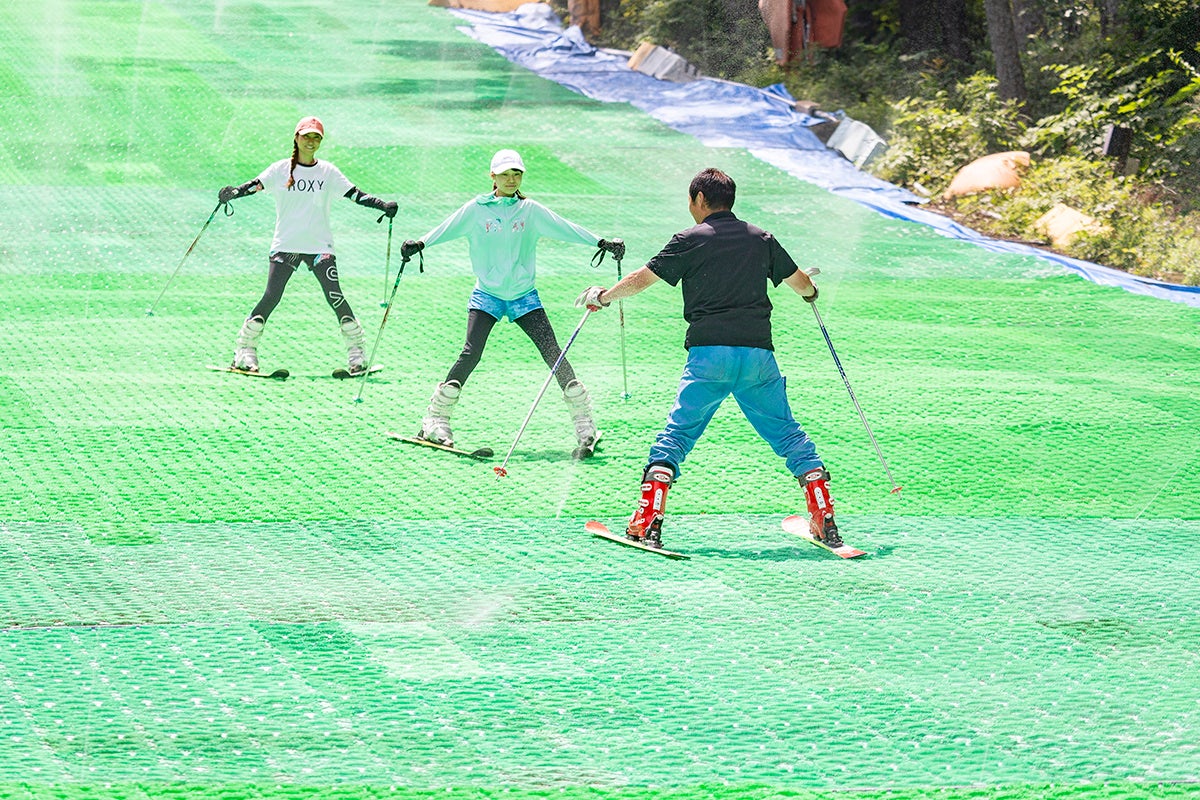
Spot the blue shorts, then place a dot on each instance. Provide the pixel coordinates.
(513, 309)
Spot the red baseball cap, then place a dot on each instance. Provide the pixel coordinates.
(310, 125)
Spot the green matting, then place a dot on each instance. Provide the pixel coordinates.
(219, 587)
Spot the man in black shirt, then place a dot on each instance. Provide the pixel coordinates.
(724, 265)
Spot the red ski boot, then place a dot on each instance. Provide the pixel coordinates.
(820, 506)
(645, 525)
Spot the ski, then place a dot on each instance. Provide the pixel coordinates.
(279, 374)
(598, 529)
(798, 525)
(580, 453)
(482, 454)
(341, 373)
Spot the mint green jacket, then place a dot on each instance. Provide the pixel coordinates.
(502, 235)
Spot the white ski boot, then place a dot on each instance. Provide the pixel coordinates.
(356, 356)
(579, 403)
(435, 427)
(245, 357)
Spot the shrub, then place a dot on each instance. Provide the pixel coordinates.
(932, 138)
(1141, 233)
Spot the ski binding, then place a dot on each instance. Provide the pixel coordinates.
(279, 374)
(580, 453)
(482, 454)
(599, 529)
(341, 373)
(798, 525)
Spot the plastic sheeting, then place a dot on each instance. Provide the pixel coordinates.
(717, 112)
(763, 121)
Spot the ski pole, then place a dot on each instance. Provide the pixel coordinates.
(502, 471)
(621, 316)
(387, 309)
(150, 310)
(821, 324)
(617, 248)
(387, 264)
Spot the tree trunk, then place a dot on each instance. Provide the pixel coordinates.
(919, 27)
(935, 26)
(585, 14)
(1028, 20)
(1005, 50)
(1110, 11)
(955, 29)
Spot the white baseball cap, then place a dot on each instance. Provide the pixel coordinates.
(507, 159)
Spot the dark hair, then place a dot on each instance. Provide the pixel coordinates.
(719, 189)
(295, 158)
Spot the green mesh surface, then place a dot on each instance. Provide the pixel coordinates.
(219, 587)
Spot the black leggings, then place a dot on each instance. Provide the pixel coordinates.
(536, 326)
(284, 265)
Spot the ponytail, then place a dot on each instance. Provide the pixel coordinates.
(295, 158)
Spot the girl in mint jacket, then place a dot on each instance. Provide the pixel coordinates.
(502, 229)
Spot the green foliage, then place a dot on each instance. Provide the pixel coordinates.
(1084, 73)
(860, 79)
(1154, 95)
(1137, 232)
(723, 38)
(931, 138)
(1145, 239)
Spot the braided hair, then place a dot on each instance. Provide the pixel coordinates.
(295, 159)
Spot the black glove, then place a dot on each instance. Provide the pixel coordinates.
(812, 298)
(614, 246)
(410, 248)
(226, 194)
(388, 207)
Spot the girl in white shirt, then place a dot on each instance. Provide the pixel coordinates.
(303, 189)
(502, 229)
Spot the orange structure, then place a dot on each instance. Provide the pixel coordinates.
(796, 25)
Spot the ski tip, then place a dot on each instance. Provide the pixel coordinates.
(795, 523)
(483, 452)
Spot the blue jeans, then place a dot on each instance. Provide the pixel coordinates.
(751, 375)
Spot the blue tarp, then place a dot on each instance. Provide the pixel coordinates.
(725, 114)
(717, 112)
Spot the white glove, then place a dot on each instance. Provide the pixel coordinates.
(591, 299)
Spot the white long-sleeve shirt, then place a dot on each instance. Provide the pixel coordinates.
(502, 235)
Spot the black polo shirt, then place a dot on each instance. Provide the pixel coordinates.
(724, 265)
